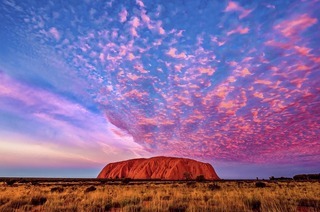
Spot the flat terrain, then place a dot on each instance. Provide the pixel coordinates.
(22, 194)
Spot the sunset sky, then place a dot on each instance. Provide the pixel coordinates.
(232, 83)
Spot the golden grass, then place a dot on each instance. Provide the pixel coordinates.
(231, 196)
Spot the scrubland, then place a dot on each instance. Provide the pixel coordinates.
(153, 196)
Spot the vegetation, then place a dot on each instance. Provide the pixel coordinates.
(161, 196)
(200, 178)
(307, 177)
(260, 184)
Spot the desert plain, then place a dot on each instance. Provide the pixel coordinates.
(38, 194)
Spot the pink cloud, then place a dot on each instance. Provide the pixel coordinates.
(158, 28)
(133, 76)
(240, 30)
(54, 33)
(131, 56)
(135, 23)
(278, 44)
(234, 6)
(264, 82)
(172, 53)
(140, 3)
(123, 15)
(258, 95)
(140, 68)
(161, 30)
(302, 50)
(102, 57)
(135, 94)
(296, 25)
(146, 19)
(245, 72)
(230, 107)
(208, 71)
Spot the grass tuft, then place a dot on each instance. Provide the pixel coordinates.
(177, 208)
(309, 203)
(38, 200)
(253, 204)
(90, 189)
(16, 204)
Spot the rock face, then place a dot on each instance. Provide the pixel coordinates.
(165, 168)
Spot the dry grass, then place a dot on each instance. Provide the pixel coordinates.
(220, 196)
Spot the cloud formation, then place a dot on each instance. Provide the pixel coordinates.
(227, 81)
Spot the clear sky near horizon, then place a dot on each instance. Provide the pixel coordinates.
(232, 83)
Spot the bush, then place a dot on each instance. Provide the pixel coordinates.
(4, 201)
(214, 186)
(116, 205)
(10, 182)
(309, 203)
(191, 184)
(90, 189)
(254, 204)
(187, 175)
(108, 206)
(57, 189)
(177, 208)
(34, 183)
(38, 200)
(165, 198)
(126, 180)
(200, 178)
(147, 198)
(260, 184)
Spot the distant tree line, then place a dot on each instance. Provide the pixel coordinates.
(280, 178)
(298, 177)
(307, 177)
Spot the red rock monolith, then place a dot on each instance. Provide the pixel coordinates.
(165, 168)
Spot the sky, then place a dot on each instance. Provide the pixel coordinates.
(232, 83)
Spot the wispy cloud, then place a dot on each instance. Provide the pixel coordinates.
(56, 119)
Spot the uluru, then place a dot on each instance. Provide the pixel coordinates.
(164, 168)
